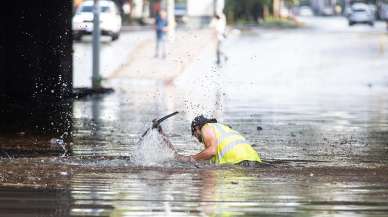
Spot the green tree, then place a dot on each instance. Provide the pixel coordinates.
(247, 10)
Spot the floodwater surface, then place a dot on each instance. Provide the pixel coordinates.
(322, 133)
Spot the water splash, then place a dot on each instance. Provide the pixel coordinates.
(152, 150)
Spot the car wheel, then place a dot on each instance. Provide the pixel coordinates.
(115, 36)
(371, 24)
(351, 23)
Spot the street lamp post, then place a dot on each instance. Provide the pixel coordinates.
(96, 79)
(171, 18)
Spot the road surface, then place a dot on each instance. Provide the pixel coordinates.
(312, 101)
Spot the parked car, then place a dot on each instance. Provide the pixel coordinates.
(361, 13)
(327, 11)
(383, 11)
(110, 19)
(305, 11)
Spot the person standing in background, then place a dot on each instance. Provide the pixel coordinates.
(161, 28)
(219, 25)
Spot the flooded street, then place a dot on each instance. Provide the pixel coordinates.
(312, 101)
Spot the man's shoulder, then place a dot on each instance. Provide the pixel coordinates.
(208, 128)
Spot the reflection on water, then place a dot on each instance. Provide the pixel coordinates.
(230, 192)
(276, 191)
(24, 201)
(326, 152)
(327, 159)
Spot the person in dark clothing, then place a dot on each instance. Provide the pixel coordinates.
(161, 28)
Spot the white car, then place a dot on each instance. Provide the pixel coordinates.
(110, 19)
(361, 13)
(305, 11)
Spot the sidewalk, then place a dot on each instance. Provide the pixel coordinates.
(181, 51)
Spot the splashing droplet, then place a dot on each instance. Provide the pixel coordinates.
(152, 150)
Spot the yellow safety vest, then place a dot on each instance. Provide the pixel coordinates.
(232, 147)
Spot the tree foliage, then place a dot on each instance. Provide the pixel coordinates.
(248, 10)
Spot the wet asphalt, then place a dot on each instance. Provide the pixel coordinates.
(312, 101)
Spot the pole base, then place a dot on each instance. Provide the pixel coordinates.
(84, 92)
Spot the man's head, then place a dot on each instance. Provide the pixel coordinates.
(198, 123)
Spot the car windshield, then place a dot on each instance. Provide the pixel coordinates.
(89, 8)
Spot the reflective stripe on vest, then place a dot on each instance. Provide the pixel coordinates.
(229, 147)
(226, 135)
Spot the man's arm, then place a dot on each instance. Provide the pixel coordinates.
(206, 154)
(210, 142)
(210, 150)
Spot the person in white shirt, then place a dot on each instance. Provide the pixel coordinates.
(219, 25)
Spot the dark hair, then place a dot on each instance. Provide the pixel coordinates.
(199, 121)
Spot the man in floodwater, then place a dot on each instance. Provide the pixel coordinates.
(223, 145)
